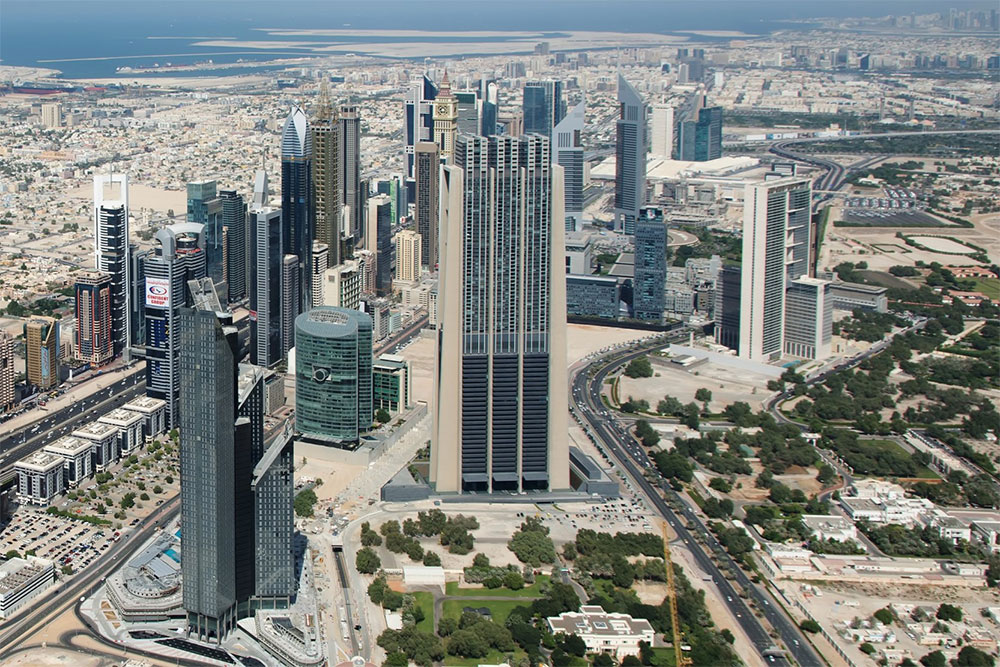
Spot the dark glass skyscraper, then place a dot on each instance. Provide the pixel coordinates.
(350, 172)
(701, 140)
(418, 118)
(425, 206)
(205, 208)
(650, 266)
(543, 106)
(378, 238)
(234, 225)
(500, 420)
(111, 250)
(630, 157)
(296, 198)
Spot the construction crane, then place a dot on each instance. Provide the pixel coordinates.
(680, 660)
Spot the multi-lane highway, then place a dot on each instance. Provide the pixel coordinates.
(634, 462)
(57, 423)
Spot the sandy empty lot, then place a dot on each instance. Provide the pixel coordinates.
(727, 385)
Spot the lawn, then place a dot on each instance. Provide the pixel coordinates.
(425, 601)
(494, 657)
(923, 472)
(499, 608)
(532, 591)
(990, 287)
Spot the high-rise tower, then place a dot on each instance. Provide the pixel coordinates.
(234, 226)
(500, 414)
(630, 157)
(661, 142)
(650, 266)
(543, 106)
(378, 239)
(418, 118)
(445, 119)
(701, 140)
(567, 149)
(296, 198)
(350, 166)
(326, 186)
(425, 207)
(265, 278)
(205, 208)
(6, 371)
(41, 352)
(111, 251)
(93, 319)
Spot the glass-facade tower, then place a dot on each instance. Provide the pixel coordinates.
(296, 199)
(650, 266)
(630, 157)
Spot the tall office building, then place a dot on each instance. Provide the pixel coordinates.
(111, 252)
(808, 318)
(136, 294)
(179, 258)
(333, 374)
(650, 266)
(366, 270)
(468, 111)
(296, 198)
(489, 106)
(320, 263)
(776, 246)
(236, 503)
(41, 352)
(378, 239)
(52, 115)
(265, 279)
(408, 261)
(445, 119)
(568, 154)
(327, 180)
(350, 172)
(701, 140)
(418, 118)
(234, 226)
(6, 371)
(630, 157)
(342, 285)
(290, 296)
(726, 310)
(205, 208)
(500, 379)
(661, 143)
(425, 207)
(93, 319)
(543, 106)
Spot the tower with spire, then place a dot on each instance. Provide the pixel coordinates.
(326, 197)
(446, 119)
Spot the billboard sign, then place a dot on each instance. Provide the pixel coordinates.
(157, 292)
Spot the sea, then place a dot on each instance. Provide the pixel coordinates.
(93, 38)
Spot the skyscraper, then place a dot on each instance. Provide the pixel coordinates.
(6, 371)
(650, 266)
(296, 198)
(408, 262)
(41, 352)
(378, 239)
(500, 379)
(418, 118)
(776, 246)
(290, 296)
(808, 318)
(350, 166)
(630, 157)
(726, 311)
(489, 100)
(205, 208)
(137, 293)
(342, 285)
(327, 180)
(333, 374)
(234, 225)
(425, 207)
(236, 503)
(111, 252)
(320, 263)
(468, 111)
(568, 153)
(662, 131)
(179, 258)
(93, 319)
(701, 140)
(445, 119)
(543, 106)
(265, 279)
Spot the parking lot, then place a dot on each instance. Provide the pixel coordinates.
(69, 543)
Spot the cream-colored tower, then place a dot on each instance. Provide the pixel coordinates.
(408, 256)
(446, 119)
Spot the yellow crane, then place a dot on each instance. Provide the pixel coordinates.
(680, 660)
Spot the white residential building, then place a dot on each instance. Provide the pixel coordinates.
(104, 443)
(39, 478)
(129, 425)
(76, 456)
(617, 634)
(154, 415)
(21, 580)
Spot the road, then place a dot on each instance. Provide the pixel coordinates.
(635, 463)
(83, 584)
(28, 439)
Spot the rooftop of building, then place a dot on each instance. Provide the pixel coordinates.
(120, 417)
(593, 620)
(68, 445)
(332, 322)
(145, 404)
(15, 572)
(40, 461)
(96, 430)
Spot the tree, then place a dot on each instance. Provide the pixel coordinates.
(382, 416)
(810, 625)
(884, 616)
(513, 580)
(532, 544)
(304, 502)
(367, 561)
(639, 368)
(720, 484)
(467, 643)
(603, 660)
(949, 612)
(970, 656)
(704, 396)
(397, 659)
(431, 559)
(867, 648)
(571, 644)
(12, 554)
(646, 433)
(934, 659)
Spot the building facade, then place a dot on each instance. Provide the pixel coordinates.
(378, 239)
(445, 119)
(726, 309)
(542, 106)
(425, 206)
(265, 286)
(567, 148)
(326, 177)
(408, 259)
(234, 230)
(204, 207)
(592, 296)
(296, 200)
(391, 383)
(111, 251)
(41, 352)
(94, 342)
(320, 263)
(6, 371)
(630, 157)
(650, 266)
(39, 478)
(500, 382)
(350, 173)
(808, 318)
(661, 141)
(701, 140)
(342, 286)
(333, 374)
